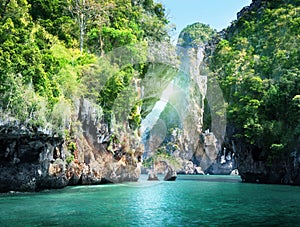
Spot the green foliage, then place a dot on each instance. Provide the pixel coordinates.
(42, 71)
(53, 15)
(25, 51)
(72, 146)
(113, 23)
(195, 35)
(161, 155)
(257, 67)
(114, 38)
(171, 117)
(135, 118)
(115, 86)
(21, 102)
(155, 80)
(38, 75)
(206, 116)
(70, 158)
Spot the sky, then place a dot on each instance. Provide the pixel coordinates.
(217, 13)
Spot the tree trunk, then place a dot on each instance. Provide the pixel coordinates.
(82, 27)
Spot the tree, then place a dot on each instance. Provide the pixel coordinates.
(89, 12)
(55, 18)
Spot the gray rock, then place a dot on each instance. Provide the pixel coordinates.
(171, 175)
(259, 170)
(152, 177)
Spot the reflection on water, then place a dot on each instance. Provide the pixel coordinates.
(189, 201)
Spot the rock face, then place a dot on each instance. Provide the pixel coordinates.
(191, 144)
(225, 160)
(196, 151)
(256, 4)
(208, 157)
(152, 177)
(33, 161)
(203, 149)
(101, 156)
(171, 175)
(30, 161)
(255, 169)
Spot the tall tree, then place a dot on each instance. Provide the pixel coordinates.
(89, 12)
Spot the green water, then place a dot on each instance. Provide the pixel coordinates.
(189, 201)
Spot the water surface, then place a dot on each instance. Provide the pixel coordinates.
(189, 201)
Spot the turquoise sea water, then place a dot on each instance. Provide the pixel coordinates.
(189, 201)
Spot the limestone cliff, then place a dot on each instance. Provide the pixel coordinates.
(267, 154)
(179, 131)
(31, 160)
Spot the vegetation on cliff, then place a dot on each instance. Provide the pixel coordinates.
(52, 54)
(257, 66)
(195, 34)
(70, 70)
(49, 55)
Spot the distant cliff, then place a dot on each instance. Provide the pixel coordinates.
(190, 139)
